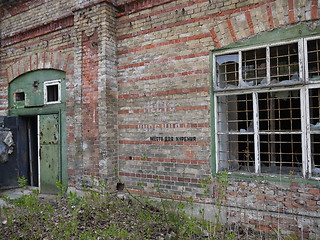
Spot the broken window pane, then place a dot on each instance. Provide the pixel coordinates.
(315, 155)
(254, 67)
(281, 153)
(284, 63)
(314, 59)
(280, 111)
(237, 112)
(236, 152)
(314, 109)
(227, 71)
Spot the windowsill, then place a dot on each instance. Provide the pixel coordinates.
(262, 86)
(274, 178)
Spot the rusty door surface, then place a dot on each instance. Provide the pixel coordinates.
(49, 152)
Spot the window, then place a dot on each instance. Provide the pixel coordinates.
(20, 96)
(267, 108)
(52, 92)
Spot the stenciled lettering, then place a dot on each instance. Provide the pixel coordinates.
(172, 139)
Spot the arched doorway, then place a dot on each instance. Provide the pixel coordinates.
(37, 101)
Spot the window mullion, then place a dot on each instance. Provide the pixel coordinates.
(256, 132)
(302, 57)
(240, 69)
(268, 64)
(305, 62)
(306, 141)
(216, 131)
(306, 154)
(305, 115)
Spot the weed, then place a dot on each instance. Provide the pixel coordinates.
(22, 181)
(144, 157)
(62, 188)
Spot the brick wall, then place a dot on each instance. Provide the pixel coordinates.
(270, 205)
(95, 139)
(164, 101)
(163, 54)
(77, 37)
(22, 15)
(138, 93)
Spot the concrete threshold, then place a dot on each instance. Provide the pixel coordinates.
(15, 193)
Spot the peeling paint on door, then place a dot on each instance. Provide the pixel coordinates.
(49, 152)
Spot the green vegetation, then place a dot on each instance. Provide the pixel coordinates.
(102, 215)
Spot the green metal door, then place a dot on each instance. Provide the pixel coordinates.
(49, 152)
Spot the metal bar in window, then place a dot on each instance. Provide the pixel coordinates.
(271, 127)
(256, 132)
(280, 133)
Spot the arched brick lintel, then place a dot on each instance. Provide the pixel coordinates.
(42, 60)
(259, 18)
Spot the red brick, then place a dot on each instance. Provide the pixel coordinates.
(264, 228)
(314, 191)
(291, 11)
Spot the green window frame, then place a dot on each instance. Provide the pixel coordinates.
(267, 108)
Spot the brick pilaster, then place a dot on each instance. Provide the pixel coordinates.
(96, 91)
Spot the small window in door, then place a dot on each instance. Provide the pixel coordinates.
(20, 96)
(52, 92)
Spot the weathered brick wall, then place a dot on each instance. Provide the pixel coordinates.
(138, 93)
(270, 205)
(57, 35)
(164, 86)
(94, 143)
(163, 54)
(20, 15)
(164, 120)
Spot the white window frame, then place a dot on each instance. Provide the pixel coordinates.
(303, 86)
(45, 92)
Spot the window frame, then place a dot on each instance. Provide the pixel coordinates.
(45, 91)
(303, 85)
